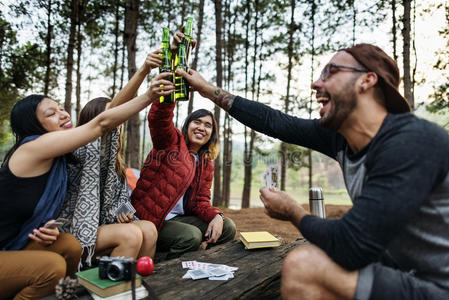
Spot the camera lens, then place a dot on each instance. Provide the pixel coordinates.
(115, 271)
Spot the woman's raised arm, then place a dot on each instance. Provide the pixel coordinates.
(129, 91)
(41, 151)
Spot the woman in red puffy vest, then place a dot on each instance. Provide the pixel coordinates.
(173, 190)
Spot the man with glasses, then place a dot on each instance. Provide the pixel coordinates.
(394, 242)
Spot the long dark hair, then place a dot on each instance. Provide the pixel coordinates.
(212, 147)
(92, 109)
(24, 122)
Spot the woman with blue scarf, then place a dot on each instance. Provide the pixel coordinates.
(33, 184)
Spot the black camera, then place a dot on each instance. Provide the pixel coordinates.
(115, 268)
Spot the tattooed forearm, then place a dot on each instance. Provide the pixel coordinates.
(223, 99)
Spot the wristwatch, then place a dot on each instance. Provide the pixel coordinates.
(222, 216)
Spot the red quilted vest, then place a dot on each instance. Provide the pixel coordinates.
(169, 171)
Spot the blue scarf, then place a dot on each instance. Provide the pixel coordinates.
(49, 204)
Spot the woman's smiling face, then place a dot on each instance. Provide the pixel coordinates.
(199, 132)
(52, 116)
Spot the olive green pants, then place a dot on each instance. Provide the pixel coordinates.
(34, 271)
(185, 233)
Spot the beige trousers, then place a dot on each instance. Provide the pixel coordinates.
(34, 271)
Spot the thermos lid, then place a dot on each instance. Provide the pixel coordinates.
(315, 193)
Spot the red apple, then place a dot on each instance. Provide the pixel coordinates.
(145, 265)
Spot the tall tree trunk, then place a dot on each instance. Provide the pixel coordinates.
(227, 131)
(183, 11)
(2, 42)
(197, 49)
(406, 52)
(48, 40)
(246, 152)
(354, 21)
(133, 132)
(312, 75)
(168, 12)
(246, 197)
(393, 30)
(70, 50)
(227, 159)
(116, 48)
(122, 68)
(217, 199)
(291, 30)
(79, 39)
(415, 54)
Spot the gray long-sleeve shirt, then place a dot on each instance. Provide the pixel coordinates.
(399, 185)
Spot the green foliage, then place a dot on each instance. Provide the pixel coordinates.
(440, 104)
(440, 96)
(45, 21)
(18, 70)
(297, 157)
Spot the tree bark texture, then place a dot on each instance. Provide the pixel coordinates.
(406, 52)
(133, 132)
(78, 65)
(246, 197)
(312, 75)
(197, 49)
(116, 48)
(284, 153)
(393, 30)
(217, 199)
(70, 50)
(48, 40)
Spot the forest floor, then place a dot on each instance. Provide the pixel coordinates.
(254, 219)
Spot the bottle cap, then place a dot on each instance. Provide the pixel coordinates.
(316, 193)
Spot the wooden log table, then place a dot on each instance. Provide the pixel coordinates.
(258, 276)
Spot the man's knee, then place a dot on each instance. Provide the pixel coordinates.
(190, 240)
(303, 262)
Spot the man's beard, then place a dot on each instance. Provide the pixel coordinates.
(341, 106)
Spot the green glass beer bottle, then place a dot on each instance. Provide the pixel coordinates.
(188, 33)
(166, 64)
(181, 85)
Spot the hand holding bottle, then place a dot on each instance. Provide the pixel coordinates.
(198, 83)
(159, 86)
(178, 38)
(152, 61)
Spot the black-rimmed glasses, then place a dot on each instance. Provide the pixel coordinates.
(332, 68)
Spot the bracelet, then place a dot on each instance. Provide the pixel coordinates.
(221, 215)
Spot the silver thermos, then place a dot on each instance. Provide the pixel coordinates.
(316, 202)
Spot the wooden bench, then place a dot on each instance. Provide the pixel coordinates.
(258, 276)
